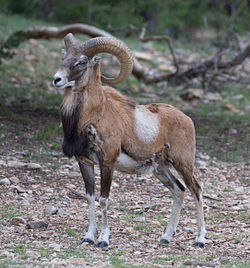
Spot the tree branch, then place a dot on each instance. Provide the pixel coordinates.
(160, 38)
(143, 73)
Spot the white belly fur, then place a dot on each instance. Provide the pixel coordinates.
(127, 164)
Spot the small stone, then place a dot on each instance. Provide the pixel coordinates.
(7, 254)
(5, 181)
(193, 221)
(50, 210)
(33, 254)
(134, 244)
(192, 94)
(148, 206)
(142, 55)
(55, 246)
(2, 163)
(231, 107)
(130, 230)
(182, 246)
(49, 190)
(78, 261)
(44, 198)
(243, 197)
(115, 185)
(140, 219)
(156, 223)
(61, 212)
(14, 180)
(37, 225)
(32, 42)
(167, 68)
(18, 221)
(213, 97)
(238, 97)
(33, 166)
(19, 189)
(25, 202)
(239, 189)
(204, 157)
(201, 163)
(30, 57)
(133, 89)
(222, 177)
(233, 131)
(65, 199)
(187, 229)
(15, 164)
(247, 108)
(29, 67)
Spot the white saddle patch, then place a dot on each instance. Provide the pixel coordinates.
(146, 125)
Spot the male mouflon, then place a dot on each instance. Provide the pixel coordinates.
(105, 128)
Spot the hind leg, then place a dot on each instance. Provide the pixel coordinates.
(196, 192)
(177, 189)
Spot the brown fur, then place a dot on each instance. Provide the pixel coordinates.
(112, 114)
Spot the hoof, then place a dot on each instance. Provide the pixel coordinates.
(102, 244)
(199, 244)
(87, 240)
(164, 241)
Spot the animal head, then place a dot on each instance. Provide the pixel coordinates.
(79, 60)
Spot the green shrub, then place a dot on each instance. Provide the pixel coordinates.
(174, 17)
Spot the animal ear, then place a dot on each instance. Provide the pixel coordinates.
(95, 60)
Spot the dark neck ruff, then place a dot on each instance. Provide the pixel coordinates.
(74, 143)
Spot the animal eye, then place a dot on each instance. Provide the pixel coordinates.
(80, 62)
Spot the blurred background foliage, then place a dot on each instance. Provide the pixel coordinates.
(174, 17)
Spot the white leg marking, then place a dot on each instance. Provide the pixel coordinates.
(146, 125)
(175, 214)
(200, 220)
(103, 239)
(90, 235)
(178, 196)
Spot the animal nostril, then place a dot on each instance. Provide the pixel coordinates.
(57, 79)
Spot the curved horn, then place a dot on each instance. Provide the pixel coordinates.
(69, 40)
(114, 47)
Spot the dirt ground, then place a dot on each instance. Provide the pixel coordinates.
(138, 213)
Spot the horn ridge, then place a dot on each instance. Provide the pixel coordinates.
(69, 40)
(114, 47)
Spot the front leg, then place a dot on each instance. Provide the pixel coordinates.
(106, 179)
(89, 180)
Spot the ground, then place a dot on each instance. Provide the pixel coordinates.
(138, 212)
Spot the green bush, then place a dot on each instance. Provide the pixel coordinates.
(176, 17)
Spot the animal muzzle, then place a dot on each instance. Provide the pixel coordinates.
(60, 79)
